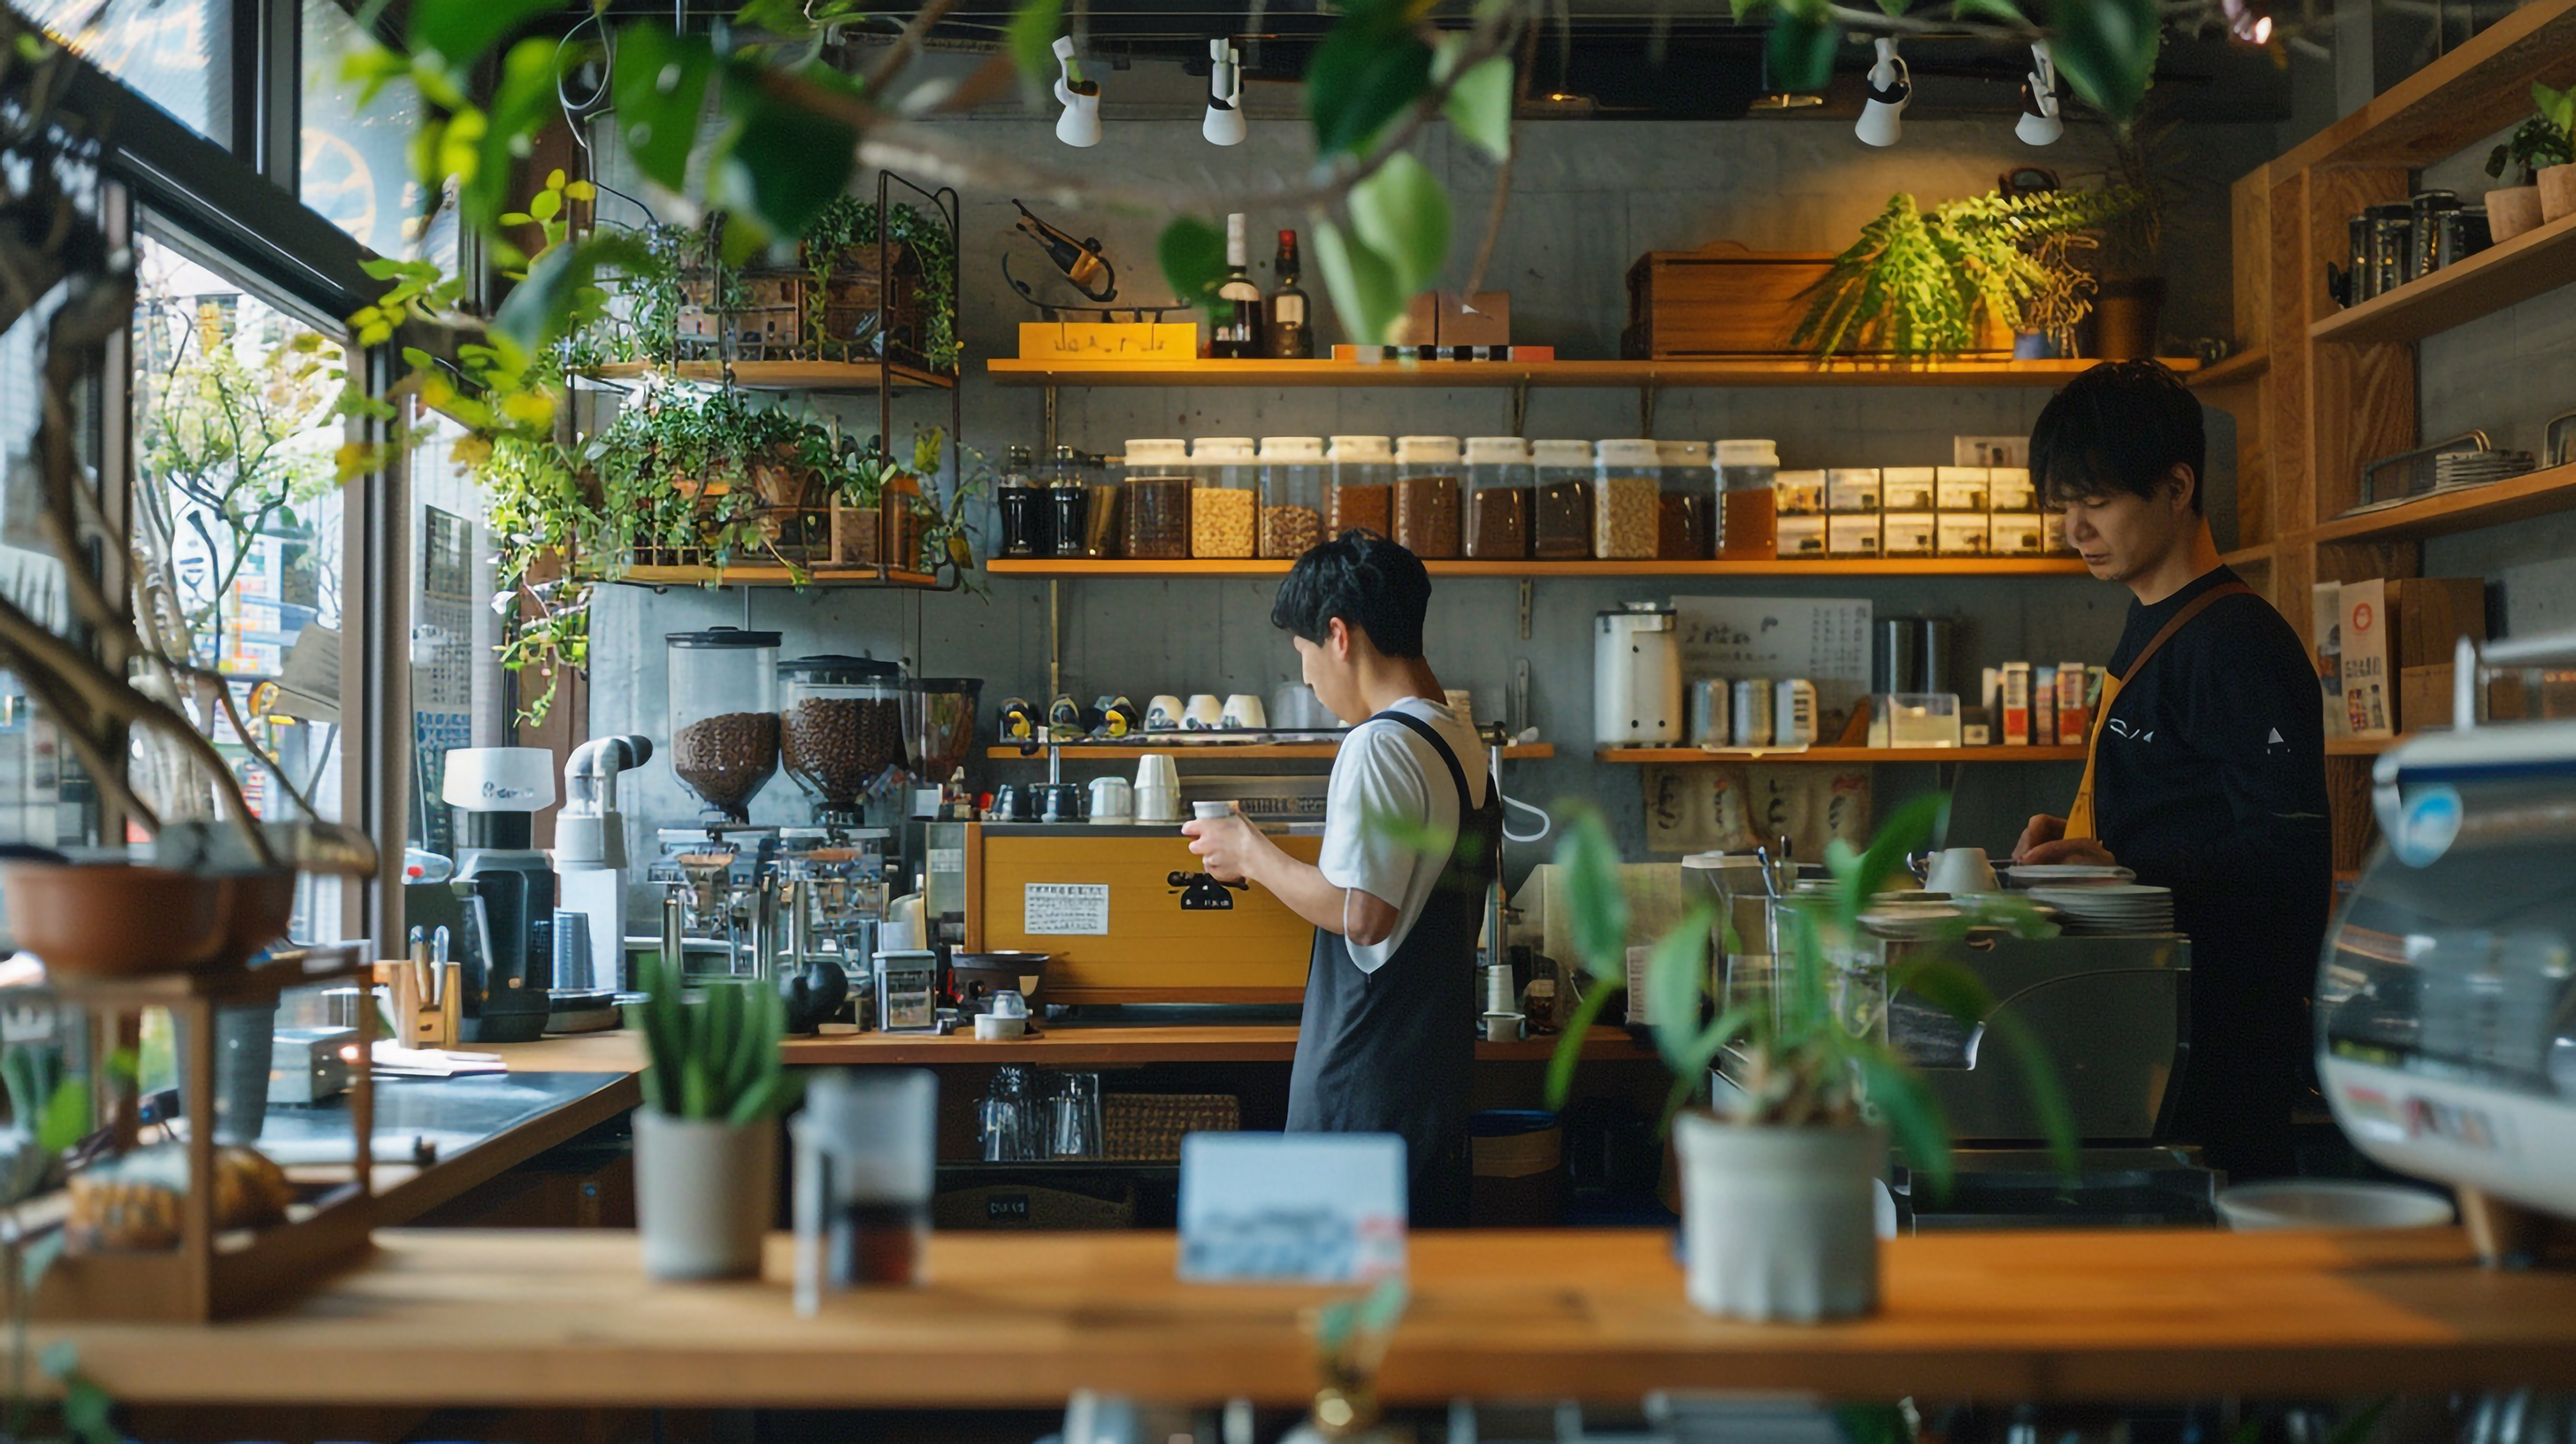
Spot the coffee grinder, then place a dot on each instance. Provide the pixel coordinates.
(497, 792)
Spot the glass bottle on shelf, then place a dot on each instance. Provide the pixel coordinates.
(1627, 478)
(1026, 507)
(1287, 333)
(1686, 511)
(1234, 322)
(1561, 507)
(1359, 485)
(1068, 503)
(1427, 502)
(1225, 497)
(1101, 533)
(1292, 495)
(1748, 522)
(1154, 501)
(1499, 486)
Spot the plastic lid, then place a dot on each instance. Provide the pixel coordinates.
(1361, 449)
(1562, 453)
(1748, 453)
(1292, 448)
(1158, 451)
(1628, 454)
(721, 637)
(1435, 450)
(1497, 451)
(1222, 448)
(1683, 453)
(833, 667)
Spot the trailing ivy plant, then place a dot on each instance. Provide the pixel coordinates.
(847, 221)
(2545, 140)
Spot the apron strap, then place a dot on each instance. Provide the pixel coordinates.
(2080, 816)
(1457, 774)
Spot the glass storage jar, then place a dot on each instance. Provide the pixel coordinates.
(1292, 495)
(840, 730)
(1059, 480)
(1154, 500)
(1028, 517)
(1686, 510)
(1748, 523)
(1101, 514)
(1499, 486)
(1627, 478)
(724, 715)
(1225, 497)
(1561, 508)
(1427, 499)
(1359, 485)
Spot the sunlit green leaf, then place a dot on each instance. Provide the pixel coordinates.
(1909, 831)
(1569, 1044)
(1402, 213)
(661, 90)
(561, 288)
(1677, 981)
(482, 154)
(1031, 37)
(1480, 106)
(785, 161)
(67, 1115)
(1362, 284)
(461, 30)
(1193, 256)
(1369, 68)
(1593, 892)
(2106, 49)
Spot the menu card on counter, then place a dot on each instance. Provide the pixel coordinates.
(1325, 1208)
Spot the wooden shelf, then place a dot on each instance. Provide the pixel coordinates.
(823, 376)
(2529, 265)
(2053, 566)
(2258, 555)
(1230, 751)
(776, 576)
(2452, 103)
(2520, 498)
(1841, 756)
(2237, 370)
(1752, 371)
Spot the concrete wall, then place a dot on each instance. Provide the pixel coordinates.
(1588, 198)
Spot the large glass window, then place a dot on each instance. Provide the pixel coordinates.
(355, 167)
(178, 54)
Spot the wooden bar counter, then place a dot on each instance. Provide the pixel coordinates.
(1089, 1046)
(567, 1319)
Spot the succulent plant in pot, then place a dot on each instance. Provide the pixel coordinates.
(1786, 1091)
(706, 1139)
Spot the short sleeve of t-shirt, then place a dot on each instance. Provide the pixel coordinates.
(1391, 817)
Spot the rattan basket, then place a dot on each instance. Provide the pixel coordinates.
(1147, 1126)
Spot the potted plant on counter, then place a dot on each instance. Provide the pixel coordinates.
(2541, 151)
(1780, 1166)
(706, 1139)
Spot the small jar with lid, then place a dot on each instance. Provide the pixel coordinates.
(1427, 495)
(1097, 476)
(1627, 478)
(1028, 528)
(1154, 500)
(1686, 510)
(1499, 487)
(1561, 508)
(1359, 485)
(1068, 502)
(1292, 495)
(1748, 510)
(1225, 497)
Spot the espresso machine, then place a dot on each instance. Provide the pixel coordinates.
(497, 792)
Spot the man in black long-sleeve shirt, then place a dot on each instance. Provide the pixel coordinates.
(2207, 773)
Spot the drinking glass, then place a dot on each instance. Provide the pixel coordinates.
(1074, 1116)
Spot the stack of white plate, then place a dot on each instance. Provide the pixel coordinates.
(2119, 907)
(2066, 874)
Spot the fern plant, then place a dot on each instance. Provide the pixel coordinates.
(1919, 283)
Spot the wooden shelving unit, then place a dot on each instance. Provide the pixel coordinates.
(2519, 498)
(777, 576)
(2066, 566)
(2364, 746)
(825, 377)
(1839, 756)
(1752, 371)
(2526, 266)
(2242, 369)
(1227, 751)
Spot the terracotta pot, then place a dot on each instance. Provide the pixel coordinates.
(117, 920)
(2557, 192)
(2512, 210)
(2125, 314)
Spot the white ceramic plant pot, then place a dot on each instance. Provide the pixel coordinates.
(2512, 210)
(2557, 192)
(704, 1193)
(1779, 1224)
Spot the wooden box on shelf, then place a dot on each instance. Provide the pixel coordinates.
(858, 535)
(209, 1272)
(1727, 300)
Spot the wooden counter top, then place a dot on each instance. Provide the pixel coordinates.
(531, 1318)
(1106, 1046)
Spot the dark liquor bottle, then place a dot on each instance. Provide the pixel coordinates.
(1235, 321)
(1287, 337)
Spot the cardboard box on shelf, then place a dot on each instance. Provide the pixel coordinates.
(2428, 615)
(1905, 488)
(1990, 450)
(1960, 488)
(2015, 679)
(1801, 536)
(2369, 680)
(1907, 534)
(1962, 534)
(2008, 488)
(2013, 535)
(1798, 493)
(1851, 536)
(2325, 625)
(1851, 490)
(2425, 701)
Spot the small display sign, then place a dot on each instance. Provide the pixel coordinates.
(1325, 1208)
(1062, 908)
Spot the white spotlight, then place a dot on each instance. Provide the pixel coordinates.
(2040, 123)
(1224, 123)
(1079, 125)
(1891, 86)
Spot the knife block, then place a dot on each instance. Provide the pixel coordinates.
(418, 1022)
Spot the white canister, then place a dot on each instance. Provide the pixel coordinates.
(1753, 712)
(1112, 800)
(1710, 713)
(1793, 713)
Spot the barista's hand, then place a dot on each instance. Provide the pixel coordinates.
(2043, 830)
(1230, 845)
(2064, 850)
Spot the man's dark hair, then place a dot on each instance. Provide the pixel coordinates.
(2122, 426)
(1372, 584)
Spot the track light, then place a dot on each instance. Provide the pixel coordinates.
(1079, 125)
(1890, 87)
(1224, 123)
(2040, 122)
(2246, 22)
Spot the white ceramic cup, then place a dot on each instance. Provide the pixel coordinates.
(1961, 870)
(1163, 713)
(1205, 713)
(1112, 800)
(1244, 710)
(1209, 811)
(1158, 804)
(994, 1028)
(1155, 769)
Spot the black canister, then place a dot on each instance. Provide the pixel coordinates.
(2363, 278)
(2429, 207)
(1938, 669)
(2461, 234)
(2392, 251)
(1897, 663)
(1028, 521)
(1069, 503)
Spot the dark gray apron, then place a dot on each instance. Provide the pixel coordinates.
(1392, 1051)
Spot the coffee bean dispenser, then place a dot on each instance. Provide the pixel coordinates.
(840, 730)
(724, 717)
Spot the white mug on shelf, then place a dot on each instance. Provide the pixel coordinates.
(1961, 870)
(1243, 710)
(1112, 800)
(1163, 713)
(1205, 714)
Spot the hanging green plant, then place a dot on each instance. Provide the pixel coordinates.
(847, 221)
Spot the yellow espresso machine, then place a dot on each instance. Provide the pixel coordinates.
(1130, 917)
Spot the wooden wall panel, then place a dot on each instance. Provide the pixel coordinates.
(2361, 398)
(2249, 205)
(2286, 418)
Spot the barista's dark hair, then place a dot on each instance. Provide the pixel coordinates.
(1372, 584)
(2122, 426)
